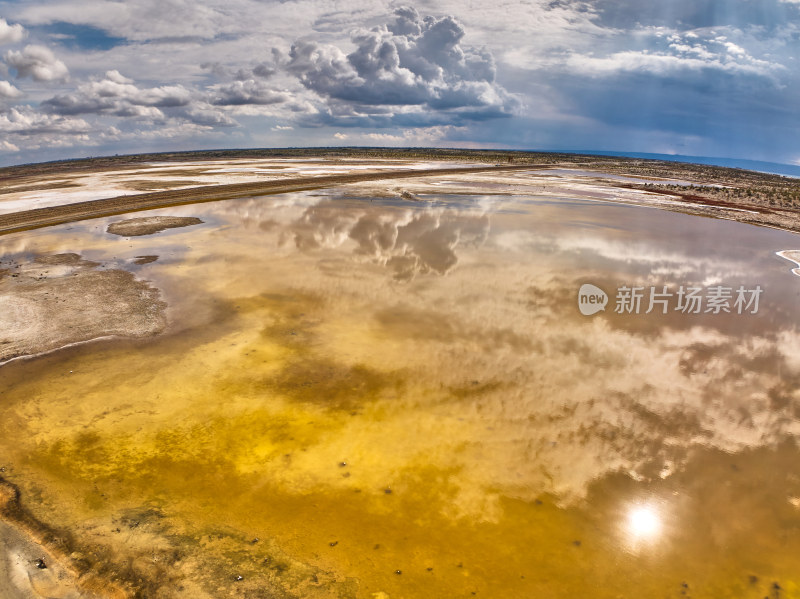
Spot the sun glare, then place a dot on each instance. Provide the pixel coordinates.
(644, 522)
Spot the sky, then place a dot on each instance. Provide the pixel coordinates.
(689, 77)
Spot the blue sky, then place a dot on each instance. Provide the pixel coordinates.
(689, 77)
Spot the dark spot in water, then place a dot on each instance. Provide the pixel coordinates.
(753, 579)
(577, 543)
(377, 546)
(387, 490)
(429, 569)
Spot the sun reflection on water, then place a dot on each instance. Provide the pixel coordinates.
(644, 522)
(643, 525)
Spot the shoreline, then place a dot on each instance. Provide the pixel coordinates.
(675, 201)
(36, 559)
(44, 217)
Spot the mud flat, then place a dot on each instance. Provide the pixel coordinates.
(58, 300)
(34, 561)
(703, 201)
(149, 225)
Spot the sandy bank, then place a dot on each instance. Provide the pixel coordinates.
(150, 224)
(54, 301)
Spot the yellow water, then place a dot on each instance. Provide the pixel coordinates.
(366, 399)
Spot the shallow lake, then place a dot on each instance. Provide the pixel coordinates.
(380, 398)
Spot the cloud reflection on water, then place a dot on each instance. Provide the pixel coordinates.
(555, 400)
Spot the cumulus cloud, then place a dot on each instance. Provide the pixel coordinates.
(240, 93)
(409, 62)
(117, 95)
(206, 117)
(25, 121)
(10, 34)
(262, 70)
(37, 62)
(9, 91)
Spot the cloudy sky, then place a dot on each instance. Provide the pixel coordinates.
(692, 77)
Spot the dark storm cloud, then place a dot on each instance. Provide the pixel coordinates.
(412, 61)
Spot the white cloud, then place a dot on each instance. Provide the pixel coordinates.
(22, 127)
(384, 137)
(9, 91)
(136, 20)
(250, 91)
(409, 62)
(685, 54)
(10, 34)
(37, 62)
(227, 59)
(24, 120)
(117, 95)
